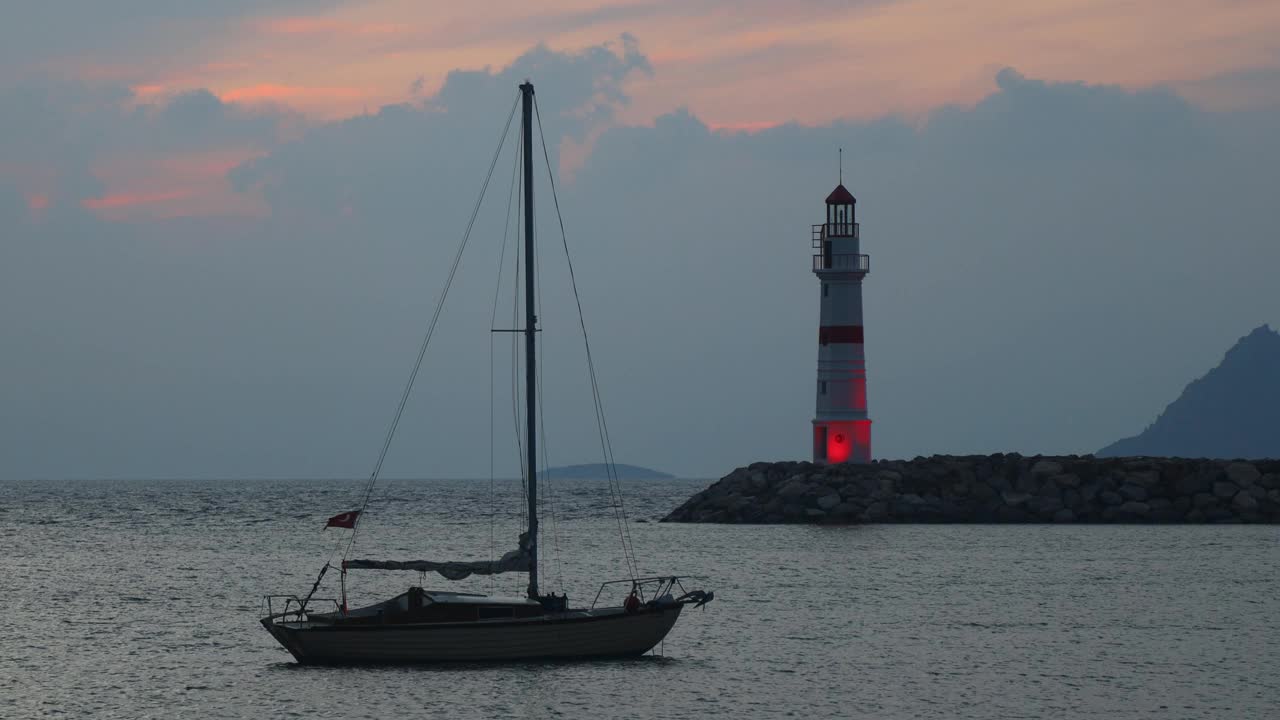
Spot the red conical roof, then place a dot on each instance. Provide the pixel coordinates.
(841, 196)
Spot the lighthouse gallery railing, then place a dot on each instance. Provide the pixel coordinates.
(846, 262)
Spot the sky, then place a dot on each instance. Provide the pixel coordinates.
(224, 226)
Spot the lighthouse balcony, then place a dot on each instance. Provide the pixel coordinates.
(834, 230)
(841, 262)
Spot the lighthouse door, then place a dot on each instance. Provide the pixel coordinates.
(820, 443)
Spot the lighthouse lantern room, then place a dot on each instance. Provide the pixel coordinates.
(841, 428)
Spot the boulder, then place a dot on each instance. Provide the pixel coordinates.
(1013, 498)
(1244, 501)
(1050, 489)
(1225, 490)
(794, 488)
(844, 512)
(1242, 474)
(1189, 484)
(1202, 500)
(1219, 515)
(1011, 515)
(826, 502)
(1065, 515)
(1110, 499)
(1071, 497)
(1027, 483)
(1135, 508)
(1046, 506)
(1133, 492)
(1067, 480)
(982, 491)
(876, 511)
(1046, 467)
(1144, 478)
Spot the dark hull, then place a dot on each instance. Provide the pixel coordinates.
(608, 633)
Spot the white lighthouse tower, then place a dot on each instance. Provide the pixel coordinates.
(841, 428)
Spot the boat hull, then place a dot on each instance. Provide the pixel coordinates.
(609, 633)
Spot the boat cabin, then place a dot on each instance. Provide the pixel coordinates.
(419, 605)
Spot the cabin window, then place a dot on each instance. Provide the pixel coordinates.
(822, 387)
(824, 289)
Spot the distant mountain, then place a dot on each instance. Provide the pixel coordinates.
(597, 471)
(1233, 412)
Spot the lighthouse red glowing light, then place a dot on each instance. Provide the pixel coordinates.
(841, 428)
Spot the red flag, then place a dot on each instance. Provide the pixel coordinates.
(343, 520)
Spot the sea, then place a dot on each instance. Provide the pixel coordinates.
(141, 599)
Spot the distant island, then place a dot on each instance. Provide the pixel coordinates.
(1231, 412)
(599, 471)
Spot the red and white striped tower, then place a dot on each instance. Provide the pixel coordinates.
(841, 429)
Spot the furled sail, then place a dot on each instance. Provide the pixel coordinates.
(515, 561)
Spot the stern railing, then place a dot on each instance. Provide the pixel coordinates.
(649, 589)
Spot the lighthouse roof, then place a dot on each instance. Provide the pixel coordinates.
(841, 196)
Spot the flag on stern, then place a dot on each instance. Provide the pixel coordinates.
(343, 520)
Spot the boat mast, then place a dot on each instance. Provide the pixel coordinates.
(530, 330)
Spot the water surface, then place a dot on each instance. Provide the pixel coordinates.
(140, 599)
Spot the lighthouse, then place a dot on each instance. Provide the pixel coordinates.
(841, 428)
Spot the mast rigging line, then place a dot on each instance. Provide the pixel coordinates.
(548, 499)
(493, 320)
(431, 328)
(606, 445)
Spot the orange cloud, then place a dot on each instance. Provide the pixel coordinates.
(269, 92)
(147, 92)
(186, 184)
(747, 126)
(37, 201)
(118, 201)
(805, 61)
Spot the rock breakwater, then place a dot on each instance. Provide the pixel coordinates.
(994, 489)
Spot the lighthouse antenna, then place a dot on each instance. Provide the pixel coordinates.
(841, 165)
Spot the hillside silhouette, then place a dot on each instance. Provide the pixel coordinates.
(1232, 412)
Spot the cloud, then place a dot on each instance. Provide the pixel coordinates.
(378, 163)
(1049, 266)
(93, 146)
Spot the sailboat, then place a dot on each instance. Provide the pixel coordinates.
(423, 625)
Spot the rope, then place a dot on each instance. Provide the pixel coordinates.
(606, 446)
(515, 352)
(431, 328)
(515, 357)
